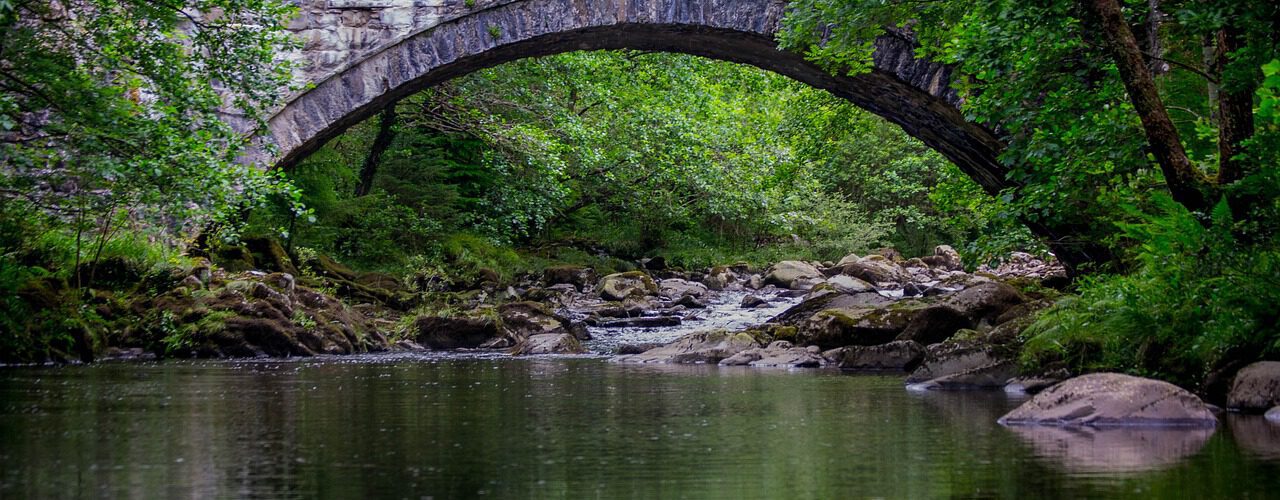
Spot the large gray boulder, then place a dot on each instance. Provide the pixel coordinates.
(893, 356)
(1256, 387)
(780, 354)
(708, 346)
(1113, 400)
(1273, 415)
(628, 285)
(791, 273)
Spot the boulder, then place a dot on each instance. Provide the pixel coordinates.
(621, 286)
(1273, 415)
(438, 332)
(872, 270)
(580, 277)
(521, 320)
(934, 324)
(838, 327)
(549, 343)
(1256, 387)
(691, 302)
(947, 258)
(816, 303)
(1029, 385)
(779, 354)
(962, 364)
(719, 278)
(708, 346)
(675, 289)
(850, 285)
(984, 301)
(753, 301)
(848, 259)
(637, 348)
(898, 355)
(787, 273)
(1113, 400)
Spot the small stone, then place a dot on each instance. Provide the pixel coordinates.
(752, 301)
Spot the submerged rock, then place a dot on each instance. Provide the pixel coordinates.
(643, 322)
(1113, 399)
(1256, 387)
(710, 346)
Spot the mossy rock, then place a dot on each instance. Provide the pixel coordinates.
(270, 255)
(44, 293)
(623, 286)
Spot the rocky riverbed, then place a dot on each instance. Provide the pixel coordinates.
(927, 318)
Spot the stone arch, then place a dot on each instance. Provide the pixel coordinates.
(913, 93)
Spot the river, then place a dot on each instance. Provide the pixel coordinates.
(428, 425)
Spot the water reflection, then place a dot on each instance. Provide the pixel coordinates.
(1122, 450)
(1255, 435)
(409, 426)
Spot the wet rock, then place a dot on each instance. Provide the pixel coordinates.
(1273, 415)
(945, 257)
(654, 264)
(838, 327)
(709, 346)
(439, 332)
(898, 355)
(637, 348)
(934, 324)
(984, 302)
(1029, 385)
(817, 303)
(962, 364)
(409, 345)
(675, 289)
(752, 301)
(720, 278)
(1111, 400)
(691, 302)
(872, 270)
(779, 354)
(622, 286)
(849, 285)
(1256, 387)
(643, 322)
(551, 343)
(521, 320)
(789, 273)
(126, 354)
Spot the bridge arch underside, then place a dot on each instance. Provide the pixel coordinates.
(895, 89)
(912, 93)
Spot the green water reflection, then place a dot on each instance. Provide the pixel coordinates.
(579, 428)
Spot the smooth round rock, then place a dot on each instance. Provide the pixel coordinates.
(1256, 387)
(1273, 415)
(1113, 400)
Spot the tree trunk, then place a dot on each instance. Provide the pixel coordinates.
(1235, 109)
(386, 133)
(1186, 183)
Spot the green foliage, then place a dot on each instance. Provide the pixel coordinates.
(1197, 299)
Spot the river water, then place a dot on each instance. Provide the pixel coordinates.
(423, 425)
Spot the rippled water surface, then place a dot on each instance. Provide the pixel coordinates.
(413, 426)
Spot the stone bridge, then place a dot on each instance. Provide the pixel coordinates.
(359, 56)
